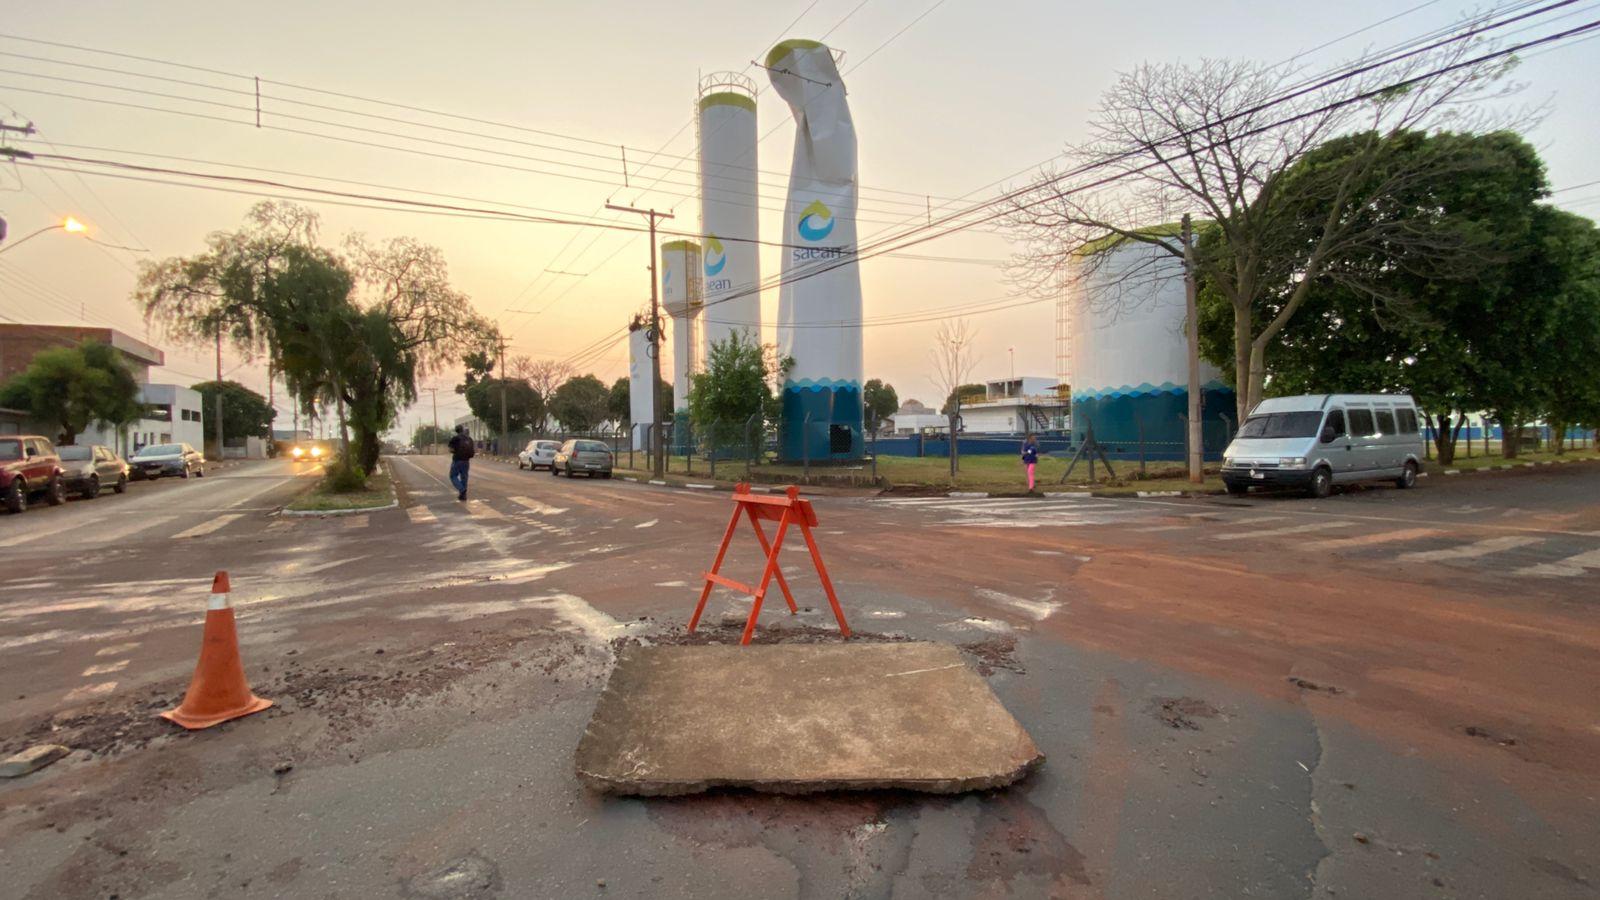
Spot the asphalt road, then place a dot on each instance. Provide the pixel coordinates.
(1384, 694)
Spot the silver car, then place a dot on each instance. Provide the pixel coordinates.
(578, 455)
(91, 467)
(538, 455)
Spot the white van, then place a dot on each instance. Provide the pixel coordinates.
(1320, 440)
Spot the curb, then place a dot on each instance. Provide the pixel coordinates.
(1504, 466)
(308, 513)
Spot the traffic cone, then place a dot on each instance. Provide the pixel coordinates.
(218, 692)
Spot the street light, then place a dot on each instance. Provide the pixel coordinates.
(69, 224)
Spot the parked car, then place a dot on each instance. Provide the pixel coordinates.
(157, 460)
(593, 457)
(1317, 441)
(538, 455)
(91, 467)
(29, 468)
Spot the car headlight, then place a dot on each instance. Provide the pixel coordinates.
(1292, 462)
(1227, 460)
(298, 452)
(316, 451)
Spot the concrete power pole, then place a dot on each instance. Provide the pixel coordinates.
(1192, 313)
(433, 445)
(505, 435)
(656, 446)
(219, 391)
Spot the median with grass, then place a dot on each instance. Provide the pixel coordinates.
(345, 489)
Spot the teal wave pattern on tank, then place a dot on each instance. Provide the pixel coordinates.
(1145, 389)
(821, 384)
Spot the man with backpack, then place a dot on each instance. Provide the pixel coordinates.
(461, 452)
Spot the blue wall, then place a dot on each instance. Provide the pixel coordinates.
(1122, 416)
(827, 405)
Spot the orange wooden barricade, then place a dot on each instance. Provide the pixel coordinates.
(785, 509)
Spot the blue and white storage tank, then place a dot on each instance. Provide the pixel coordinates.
(1127, 359)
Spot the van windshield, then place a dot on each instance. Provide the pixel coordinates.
(1281, 425)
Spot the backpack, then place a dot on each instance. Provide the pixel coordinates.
(465, 449)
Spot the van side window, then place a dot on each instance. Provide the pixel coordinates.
(1360, 422)
(1408, 420)
(1386, 422)
(1336, 422)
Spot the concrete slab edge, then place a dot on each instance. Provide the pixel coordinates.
(639, 788)
(360, 510)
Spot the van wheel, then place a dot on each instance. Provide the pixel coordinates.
(1321, 483)
(1407, 479)
(1236, 490)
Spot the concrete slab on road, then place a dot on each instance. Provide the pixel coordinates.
(799, 718)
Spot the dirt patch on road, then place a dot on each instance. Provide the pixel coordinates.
(994, 653)
(1181, 712)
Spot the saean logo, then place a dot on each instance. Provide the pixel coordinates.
(715, 258)
(816, 221)
(666, 275)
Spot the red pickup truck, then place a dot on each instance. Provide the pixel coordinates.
(28, 467)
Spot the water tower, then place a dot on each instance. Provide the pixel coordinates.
(726, 116)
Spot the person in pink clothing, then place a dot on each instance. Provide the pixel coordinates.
(1030, 458)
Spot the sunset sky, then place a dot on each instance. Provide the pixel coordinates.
(969, 95)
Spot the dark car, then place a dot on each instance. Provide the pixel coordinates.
(577, 455)
(89, 468)
(29, 467)
(156, 460)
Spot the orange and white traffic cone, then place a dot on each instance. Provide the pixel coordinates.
(218, 692)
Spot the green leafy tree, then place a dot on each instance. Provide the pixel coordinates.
(1568, 357)
(879, 402)
(524, 406)
(581, 403)
(245, 413)
(72, 387)
(428, 435)
(737, 384)
(969, 393)
(618, 403)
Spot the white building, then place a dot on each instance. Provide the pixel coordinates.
(173, 416)
(1016, 406)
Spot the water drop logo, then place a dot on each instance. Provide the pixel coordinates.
(666, 275)
(816, 221)
(715, 258)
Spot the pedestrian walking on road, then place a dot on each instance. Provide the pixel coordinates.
(461, 452)
(1030, 457)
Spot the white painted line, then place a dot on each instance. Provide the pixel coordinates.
(116, 649)
(205, 528)
(482, 510)
(1565, 568)
(1155, 528)
(648, 524)
(1452, 471)
(658, 481)
(701, 487)
(90, 691)
(537, 507)
(1473, 550)
(1251, 520)
(968, 494)
(421, 515)
(1381, 537)
(105, 668)
(1276, 532)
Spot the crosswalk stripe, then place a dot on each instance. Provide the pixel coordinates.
(421, 515)
(482, 510)
(1252, 520)
(1381, 537)
(1471, 551)
(1155, 528)
(1276, 532)
(1565, 568)
(536, 506)
(207, 527)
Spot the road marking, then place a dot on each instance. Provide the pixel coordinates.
(205, 528)
(482, 510)
(105, 668)
(1381, 537)
(421, 515)
(1565, 568)
(90, 691)
(1251, 520)
(534, 505)
(115, 649)
(648, 524)
(1275, 532)
(1155, 528)
(1471, 551)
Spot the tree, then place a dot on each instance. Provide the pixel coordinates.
(429, 435)
(1224, 140)
(1568, 356)
(245, 413)
(580, 403)
(879, 402)
(963, 394)
(618, 403)
(1383, 320)
(524, 406)
(72, 387)
(953, 360)
(737, 384)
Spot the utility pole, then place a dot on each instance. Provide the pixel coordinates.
(659, 466)
(218, 404)
(433, 445)
(1192, 313)
(505, 436)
